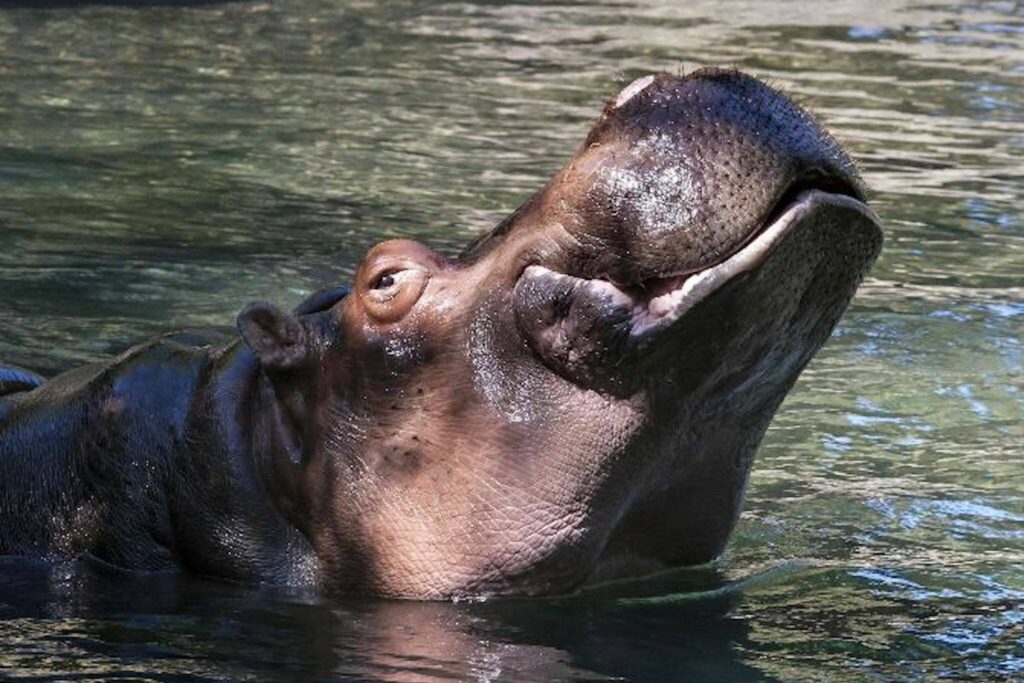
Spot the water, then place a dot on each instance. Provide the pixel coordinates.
(162, 165)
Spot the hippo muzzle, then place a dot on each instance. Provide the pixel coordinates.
(684, 186)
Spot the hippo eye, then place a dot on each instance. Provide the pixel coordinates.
(393, 284)
(383, 281)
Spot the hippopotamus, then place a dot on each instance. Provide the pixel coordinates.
(575, 397)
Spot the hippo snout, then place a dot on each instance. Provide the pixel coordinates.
(691, 168)
(683, 184)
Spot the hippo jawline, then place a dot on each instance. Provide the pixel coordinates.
(635, 317)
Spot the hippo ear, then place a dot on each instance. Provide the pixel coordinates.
(321, 300)
(277, 338)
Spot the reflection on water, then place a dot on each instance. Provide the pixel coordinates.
(161, 165)
(181, 626)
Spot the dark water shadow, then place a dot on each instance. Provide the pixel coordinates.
(59, 618)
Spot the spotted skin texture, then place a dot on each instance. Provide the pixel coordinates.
(578, 396)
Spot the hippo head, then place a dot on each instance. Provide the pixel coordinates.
(580, 393)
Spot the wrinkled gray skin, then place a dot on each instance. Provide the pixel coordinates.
(578, 396)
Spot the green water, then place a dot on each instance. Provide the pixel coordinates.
(162, 165)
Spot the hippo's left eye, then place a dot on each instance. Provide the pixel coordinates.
(393, 276)
(384, 281)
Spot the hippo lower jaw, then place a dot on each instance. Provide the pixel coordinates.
(574, 324)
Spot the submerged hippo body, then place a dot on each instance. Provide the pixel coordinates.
(577, 396)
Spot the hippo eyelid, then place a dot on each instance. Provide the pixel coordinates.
(392, 292)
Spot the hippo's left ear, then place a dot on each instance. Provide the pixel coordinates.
(321, 300)
(276, 337)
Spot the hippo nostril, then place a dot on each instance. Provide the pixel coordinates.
(633, 89)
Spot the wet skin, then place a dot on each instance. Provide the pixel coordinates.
(577, 396)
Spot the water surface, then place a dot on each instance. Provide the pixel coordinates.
(161, 165)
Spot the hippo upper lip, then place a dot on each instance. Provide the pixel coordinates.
(812, 181)
(689, 290)
(850, 187)
(662, 301)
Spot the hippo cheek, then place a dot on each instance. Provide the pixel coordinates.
(580, 328)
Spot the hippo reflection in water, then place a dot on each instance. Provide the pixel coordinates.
(578, 396)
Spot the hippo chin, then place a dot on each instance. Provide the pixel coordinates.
(577, 396)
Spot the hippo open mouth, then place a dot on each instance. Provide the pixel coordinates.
(567, 318)
(578, 396)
